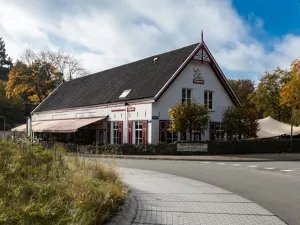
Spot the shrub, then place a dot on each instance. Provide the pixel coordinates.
(44, 186)
(253, 146)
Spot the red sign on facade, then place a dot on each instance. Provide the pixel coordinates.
(130, 109)
(195, 81)
(118, 110)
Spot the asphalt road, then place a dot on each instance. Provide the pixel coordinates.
(273, 185)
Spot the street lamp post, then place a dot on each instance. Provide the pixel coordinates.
(3, 125)
(291, 140)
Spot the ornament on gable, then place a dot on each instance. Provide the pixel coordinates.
(198, 77)
(202, 55)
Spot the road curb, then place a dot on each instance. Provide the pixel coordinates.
(127, 214)
(190, 159)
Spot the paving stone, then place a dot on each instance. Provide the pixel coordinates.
(208, 219)
(168, 199)
(196, 197)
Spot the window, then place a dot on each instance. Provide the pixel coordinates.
(186, 95)
(162, 131)
(125, 93)
(115, 130)
(164, 135)
(171, 136)
(183, 136)
(208, 99)
(219, 132)
(138, 131)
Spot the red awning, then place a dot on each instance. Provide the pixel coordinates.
(64, 126)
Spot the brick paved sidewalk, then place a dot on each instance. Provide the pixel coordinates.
(168, 199)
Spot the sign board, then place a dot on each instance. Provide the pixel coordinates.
(130, 109)
(155, 117)
(118, 110)
(198, 81)
(192, 147)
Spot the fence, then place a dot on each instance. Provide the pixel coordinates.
(7, 134)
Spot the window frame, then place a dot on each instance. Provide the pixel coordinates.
(209, 100)
(220, 130)
(174, 135)
(115, 130)
(138, 140)
(185, 98)
(125, 93)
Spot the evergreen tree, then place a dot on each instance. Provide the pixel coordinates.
(5, 61)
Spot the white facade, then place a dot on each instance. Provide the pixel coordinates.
(145, 111)
(114, 113)
(173, 94)
(196, 77)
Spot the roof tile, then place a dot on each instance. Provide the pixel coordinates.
(144, 77)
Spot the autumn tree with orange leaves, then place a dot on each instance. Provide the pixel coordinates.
(32, 82)
(290, 92)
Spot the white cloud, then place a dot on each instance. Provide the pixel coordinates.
(107, 33)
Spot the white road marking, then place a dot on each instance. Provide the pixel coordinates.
(269, 168)
(252, 166)
(205, 162)
(221, 163)
(235, 164)
(287, 170)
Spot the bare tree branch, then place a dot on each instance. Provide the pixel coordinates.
(70, 66)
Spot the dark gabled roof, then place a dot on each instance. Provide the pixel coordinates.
(145, 77)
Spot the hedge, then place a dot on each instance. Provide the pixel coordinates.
(254, 146)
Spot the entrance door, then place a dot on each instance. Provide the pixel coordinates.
(100, 137)
(197, 136)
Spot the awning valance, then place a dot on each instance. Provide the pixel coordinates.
(64, 126)
(22, 128)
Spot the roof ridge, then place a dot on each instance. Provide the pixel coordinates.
(98, 73)
(105, 86)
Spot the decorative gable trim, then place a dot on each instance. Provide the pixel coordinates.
(177, 72)
(213, 64)
(219, 73)
(202, 55)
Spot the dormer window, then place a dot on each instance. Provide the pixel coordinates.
(125, 93)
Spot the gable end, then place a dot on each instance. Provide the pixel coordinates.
(202, 53)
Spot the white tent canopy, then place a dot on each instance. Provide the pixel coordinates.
(269, 127)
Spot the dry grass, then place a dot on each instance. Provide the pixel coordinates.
(44, 186)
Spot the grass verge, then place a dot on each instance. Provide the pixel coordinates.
(44, 186)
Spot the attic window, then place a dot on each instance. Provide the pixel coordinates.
(125, 93)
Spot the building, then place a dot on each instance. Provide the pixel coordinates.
(130, 103)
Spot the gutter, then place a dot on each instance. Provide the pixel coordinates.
(46, 98)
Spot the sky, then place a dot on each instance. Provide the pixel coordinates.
(246, 37)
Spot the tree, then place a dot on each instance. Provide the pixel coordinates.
(32, 82)
(70, 66)
(290, 92)
(296, 117)
(239, 120)
(188, 117)
(5, 61)
(10, 108)
(243, 88)
(267, 95)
